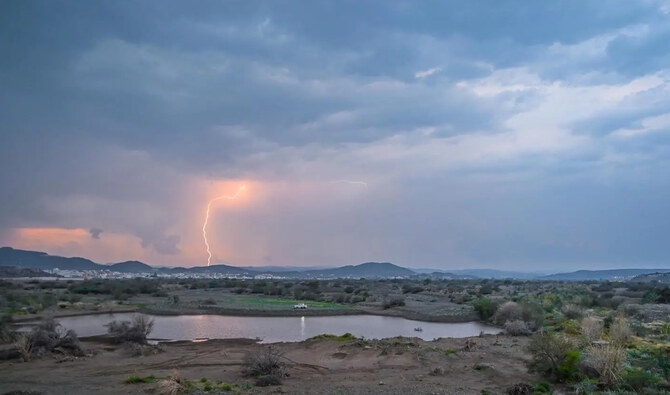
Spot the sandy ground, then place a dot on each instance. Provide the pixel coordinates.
(389, 366)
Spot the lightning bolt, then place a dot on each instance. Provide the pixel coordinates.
(365, 184)
(209, 206)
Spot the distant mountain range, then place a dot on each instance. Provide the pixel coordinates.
(42, 261)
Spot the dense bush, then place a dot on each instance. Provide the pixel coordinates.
(591, 329)
(533, 316)
(47, 337)
(485, 308)
(517, 328)
(394, 302)
(620, 331)
(6, 334)
(267, 367)
(637, 379)
(608, 361)
(508, 311)
(131, 332)
(549, 352)
(571, 311)
(568, 370)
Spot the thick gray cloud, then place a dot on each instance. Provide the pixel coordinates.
(491, 133)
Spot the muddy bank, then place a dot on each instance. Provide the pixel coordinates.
(318, 366)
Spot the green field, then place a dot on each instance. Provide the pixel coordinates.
(254, 302)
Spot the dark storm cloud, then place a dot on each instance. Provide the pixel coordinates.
(110, 110)
(95, 233)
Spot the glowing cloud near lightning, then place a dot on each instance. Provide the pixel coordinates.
(209, 206)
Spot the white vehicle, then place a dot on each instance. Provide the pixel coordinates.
(300, 306)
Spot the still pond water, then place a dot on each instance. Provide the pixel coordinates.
(278, 329)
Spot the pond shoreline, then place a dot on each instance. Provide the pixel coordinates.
(223, 311)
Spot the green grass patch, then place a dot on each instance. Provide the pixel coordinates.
(449, 351)
(140, 380)
(254, 301)
(327, 336)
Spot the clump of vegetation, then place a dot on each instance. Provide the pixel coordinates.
(24, 345)
(568, 370)
(267, 367)
(6, 334)
(485, 308)
(571, 311)
(520, 389)
(342, 338)
(136, 331)
(396, 301)
(517, 328)
(47, 337)
(549, 353)
(620, 331)
(591, 328)
(512, 311)
(174, 384)
(608, 361)
(140, 380)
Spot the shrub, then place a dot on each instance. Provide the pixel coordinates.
(267, 367)
(512, 311)
(608, 362)
(571, 311)
(6, 334)
(393, 302)
(485, 308)
(24, 344)
(46, 337)
(508, 311)
(548, 352)
(208, 301)
(591, 328)
(140, 380)
(127, 332)
(542, 388)
(520, 389)
(517, 328)
(173, 385)
(620, 331)
(568, 370)
(70, 344)
(637, 379)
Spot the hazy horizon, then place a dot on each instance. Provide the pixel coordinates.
(524, 136)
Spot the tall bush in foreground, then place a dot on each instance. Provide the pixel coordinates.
(608, 361)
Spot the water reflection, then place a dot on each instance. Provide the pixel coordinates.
(277, 329)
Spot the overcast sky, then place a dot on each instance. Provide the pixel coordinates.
(530, 135)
